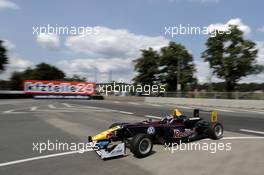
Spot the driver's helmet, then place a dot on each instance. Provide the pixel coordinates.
(176, 113)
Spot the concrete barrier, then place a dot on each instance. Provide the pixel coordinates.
(14, 95)
(247, 104)
(21, 94)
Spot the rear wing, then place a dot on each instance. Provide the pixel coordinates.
(214, 114)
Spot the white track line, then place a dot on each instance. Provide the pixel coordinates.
(152, 116)
(254, 111)
(156, 105)
(34, 108)
(39, 157)
(184, 107)
(259, 112)
(244, 110)
(249, 111)
(116, 102)
(179, 106)
(223, 110)
(67, 105)
(133, 103)
(252, 131)
(240, 138)
(52, 107)
(9, 111)
(85, 107)
(55, 111)
(125, 112)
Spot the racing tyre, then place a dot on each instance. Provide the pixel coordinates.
(216, 131)
(141, 145)
(114, 125)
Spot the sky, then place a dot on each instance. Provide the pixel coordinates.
(116, 31)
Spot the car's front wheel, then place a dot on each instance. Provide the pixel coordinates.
(141, 145)
(216, 131)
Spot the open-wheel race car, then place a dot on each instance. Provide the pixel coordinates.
(141, 136)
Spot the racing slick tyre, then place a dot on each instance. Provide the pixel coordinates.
(216, 131)
(141, 145)
(114, 125)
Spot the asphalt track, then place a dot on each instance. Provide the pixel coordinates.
(24, 122)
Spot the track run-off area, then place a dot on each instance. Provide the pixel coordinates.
(24, 123)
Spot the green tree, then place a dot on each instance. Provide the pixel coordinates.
(16, 80)
(75, 78)
(45, 71)
(231, 57)
(147, 67)
(177, 67)
(4, 85)
(3, 57)
(42, 71)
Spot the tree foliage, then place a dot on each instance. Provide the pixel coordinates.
(45, 71)
(75, 78)
(176, 62)
(241, 87)
(3, 57)
(147, 67)
(166, 67)
(16, 80)
(42, 71)
(231, 57)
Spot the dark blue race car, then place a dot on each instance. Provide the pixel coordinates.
(141, 136)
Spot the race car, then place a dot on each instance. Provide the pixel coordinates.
(141, 136)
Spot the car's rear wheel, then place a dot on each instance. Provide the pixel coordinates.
(141, 145)
(216, 131)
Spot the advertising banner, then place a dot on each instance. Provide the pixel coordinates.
(58, 87)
